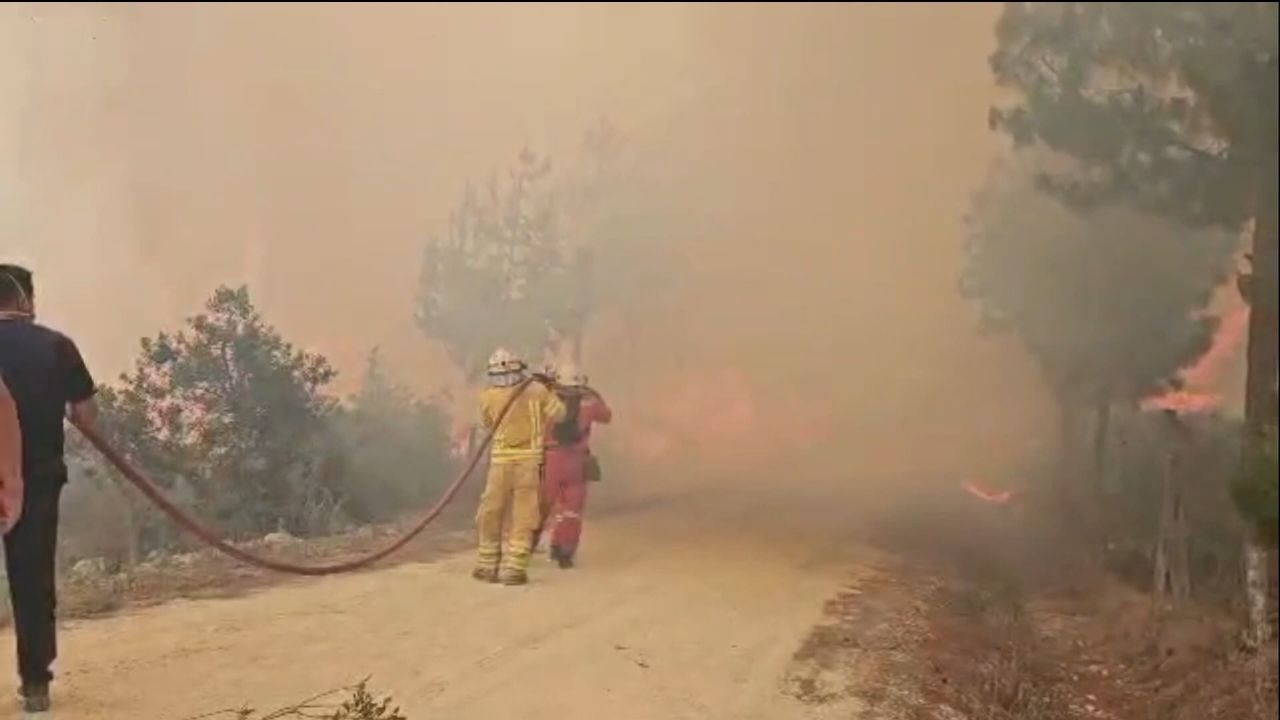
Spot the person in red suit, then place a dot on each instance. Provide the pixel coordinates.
(569, 463)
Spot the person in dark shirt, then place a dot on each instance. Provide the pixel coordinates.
(48, 381)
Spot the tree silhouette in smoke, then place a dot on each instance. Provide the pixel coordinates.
(1172, 107)
(614, 217)
(496, 276)
(527, 262)
(1110, 303)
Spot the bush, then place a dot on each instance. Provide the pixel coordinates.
(231, 421)
(96, 520)
(359, 705)
(363, 706)
(393, 449)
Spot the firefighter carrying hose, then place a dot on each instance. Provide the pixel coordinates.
(570, 464)
(515, 468)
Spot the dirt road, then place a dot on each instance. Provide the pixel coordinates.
(681, 608)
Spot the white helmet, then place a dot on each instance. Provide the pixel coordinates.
(505, 368)
(570, 375)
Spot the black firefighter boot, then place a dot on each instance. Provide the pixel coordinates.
(34, 698)
(564, 558)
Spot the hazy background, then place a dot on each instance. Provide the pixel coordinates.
(821, 158)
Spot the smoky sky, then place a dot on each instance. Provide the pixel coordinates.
(816, 162)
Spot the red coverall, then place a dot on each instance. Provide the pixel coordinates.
(564, 486)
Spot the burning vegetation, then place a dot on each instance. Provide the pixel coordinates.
(755, 256)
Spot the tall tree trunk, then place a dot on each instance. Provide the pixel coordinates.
(1066, 438)
(1067, 477)
(1101, 438)
(1260, 381)
(1101, 433)
(1172, 580)
(1256, 588)
(1262, 293)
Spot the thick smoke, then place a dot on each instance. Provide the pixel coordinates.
(818, 162)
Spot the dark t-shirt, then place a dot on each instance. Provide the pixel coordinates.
(44, 372)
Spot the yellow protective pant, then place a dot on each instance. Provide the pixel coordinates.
(512, 486)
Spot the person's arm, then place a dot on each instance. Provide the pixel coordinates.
(10, 461)
(10, 434)
(84, 413)
(598, 411)
(486, 412)
(77, 386)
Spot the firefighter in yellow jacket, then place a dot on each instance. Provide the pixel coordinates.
(515, 469)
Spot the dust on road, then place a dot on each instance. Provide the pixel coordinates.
(684, 608)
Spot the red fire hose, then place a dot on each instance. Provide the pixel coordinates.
(211, 538)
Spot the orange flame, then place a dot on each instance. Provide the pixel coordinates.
(995, 498)
(1208, 370)
(723, 416)
(1184, 401)
(1200, 380)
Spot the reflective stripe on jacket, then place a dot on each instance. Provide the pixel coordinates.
(521, 435)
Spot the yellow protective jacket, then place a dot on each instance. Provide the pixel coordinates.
(522, 434)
